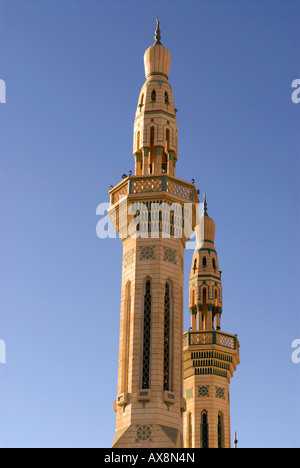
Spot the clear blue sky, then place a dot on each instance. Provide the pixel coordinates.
(73, 70)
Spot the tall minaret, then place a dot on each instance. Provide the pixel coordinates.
(210, 355)
(147, 210)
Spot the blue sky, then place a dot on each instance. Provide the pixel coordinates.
(73, 71)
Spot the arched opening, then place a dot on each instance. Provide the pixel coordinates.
(220, 430)
(216, 297)
(167, 139)
(204, 430)
(204, 296)
(164, 163)
(152, 151)
(167, 330)
(147, 336)
(165, 153)
(193, 298)
(205, 318)
(127, 317)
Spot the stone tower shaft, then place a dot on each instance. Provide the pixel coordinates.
(154, 214)
(210, 356)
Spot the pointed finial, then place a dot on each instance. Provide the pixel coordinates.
(235, 440)
(157, 33)
(205, 205)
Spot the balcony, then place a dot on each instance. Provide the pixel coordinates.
(154, 184)
(212, 337)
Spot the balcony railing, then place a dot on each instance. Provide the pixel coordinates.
(160, 183)
(213, 337)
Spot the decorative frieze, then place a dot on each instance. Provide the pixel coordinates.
(144, 432)
(203, 390)
(128, 258)
(170, 255)
(147, 253)
(220, 392)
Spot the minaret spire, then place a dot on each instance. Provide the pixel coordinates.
(157, 33)
(205, 205)
(155, 142)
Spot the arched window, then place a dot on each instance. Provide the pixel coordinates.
(204, 296)
(167, 139)
(204, 430)
(167, 98)
(214, 263)
(138, 138)
(193, 297)
(204, 262)
(220, 430)
(195, 265)
(152, 151)
(153, 96)
(127, 313)
(167, 338)
(166, 149)
(216, 297)
(147, 336)
(152, 138)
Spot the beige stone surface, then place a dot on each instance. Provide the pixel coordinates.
(153, 250)
(210, 356)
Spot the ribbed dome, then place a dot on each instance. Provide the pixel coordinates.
(157, 59)
(205, 230)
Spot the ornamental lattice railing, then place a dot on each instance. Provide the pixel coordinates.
(213, 337)
(148, 184)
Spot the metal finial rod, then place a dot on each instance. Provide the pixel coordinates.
(235, 440)
(205, 204)
(157, 36)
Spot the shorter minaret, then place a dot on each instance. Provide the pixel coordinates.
(210, 355)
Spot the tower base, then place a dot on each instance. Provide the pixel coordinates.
(148, 436)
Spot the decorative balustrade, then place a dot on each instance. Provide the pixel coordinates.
(119, 193)
(147, 184)
(212, 337)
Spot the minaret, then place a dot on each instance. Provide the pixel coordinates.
(155, 127)
(154, 214)
(210, 355)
